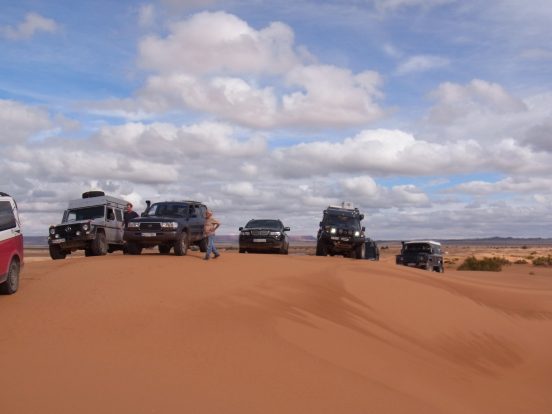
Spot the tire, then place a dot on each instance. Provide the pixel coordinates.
(99, 245)
(164, 249)
(133, 248)
(242, 250)
(88, 252)
(429, 267)
(10, 286)
(56, 253)
(203, 245)
(181, 245)
(359, 251)
(321, 249)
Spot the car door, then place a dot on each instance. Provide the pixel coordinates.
(11, 240)
(110, 225)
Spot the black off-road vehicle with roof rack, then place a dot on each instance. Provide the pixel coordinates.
(341, 232)
(422, 254)
(169, 225)
(93, 223)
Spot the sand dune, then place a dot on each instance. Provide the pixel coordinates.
(274, 334)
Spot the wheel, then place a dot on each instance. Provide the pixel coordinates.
(429, 267)
(88, 252)
(242, 250)
(56, 253)
(99, 245)
(203, 245)
(133, 248)
(359, 251)
(181, 245)
(9, 287)
(164, 249)
(321, 249)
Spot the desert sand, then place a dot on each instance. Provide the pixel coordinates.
(274, 334)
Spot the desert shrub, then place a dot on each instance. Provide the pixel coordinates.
(524, 247)
(520, 261)
(491, 264)
(542, 261)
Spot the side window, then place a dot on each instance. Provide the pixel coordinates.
(110, 214)
(7, 218)
(192, 211)
(118, 215)
(202, 211)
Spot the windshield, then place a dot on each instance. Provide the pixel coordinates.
(417, 248)
(87, 213)
(337, 220)
(167, 210)
(264, 224)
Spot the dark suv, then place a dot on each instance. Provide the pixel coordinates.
(168, 225)
(422, 254)
(340, 232)
(264, 235)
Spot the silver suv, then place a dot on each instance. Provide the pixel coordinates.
(93, 223)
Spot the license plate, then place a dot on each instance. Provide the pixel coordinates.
(149, 234)
(411, 264)
(344, 239)
(56, 241)
(259, 240)
(334, 238)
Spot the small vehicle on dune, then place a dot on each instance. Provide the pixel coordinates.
(341, 232)
(93, 223)
(266, 235)
(422, 254)
(11, 245)
(168, 225)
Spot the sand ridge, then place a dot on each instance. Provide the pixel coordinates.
(274, 334)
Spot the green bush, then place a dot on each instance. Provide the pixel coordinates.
(490, 264)
(542, 261)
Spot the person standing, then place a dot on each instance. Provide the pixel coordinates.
(129, 214)
(211, 226)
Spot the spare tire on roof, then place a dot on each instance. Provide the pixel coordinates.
(94, 193)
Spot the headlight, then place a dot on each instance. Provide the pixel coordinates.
(246, 233)
(333, 230)
(274, 233)
(169, 225)
(52, 230)
(133, 225)
(357, 233)
(85, 227)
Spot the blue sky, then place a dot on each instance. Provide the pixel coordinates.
(433, 116)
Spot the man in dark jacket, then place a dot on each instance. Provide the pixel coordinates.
(129, 214)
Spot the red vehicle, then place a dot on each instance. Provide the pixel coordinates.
(11, 245)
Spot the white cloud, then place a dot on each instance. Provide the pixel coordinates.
(393, 5)
(421, 63)
(146, 15)
(215, 63)
(220, 43)
(20, 122)
(32, 24)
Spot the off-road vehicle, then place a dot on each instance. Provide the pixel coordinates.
(341, 232)
(11, 245)
(371, 250)
(93, 223)
(422, 254)
(264, 235)
(169, 225)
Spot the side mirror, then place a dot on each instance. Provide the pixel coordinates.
(143, 214)
(363, 228)
(361, 217)
(320, 224)
(286, 228)
(240, 229)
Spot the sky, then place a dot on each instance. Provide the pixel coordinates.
(433, 117)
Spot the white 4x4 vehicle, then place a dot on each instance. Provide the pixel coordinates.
(11, 245)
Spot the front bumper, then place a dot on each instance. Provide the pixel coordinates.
(150, 238)
(340, 242)
(261, 243)
(72, 243)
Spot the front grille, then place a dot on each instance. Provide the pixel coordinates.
(150, 226)
(69, 232)
(259, 232)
